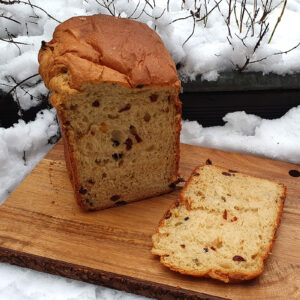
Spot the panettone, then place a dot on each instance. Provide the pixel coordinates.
(115, 88)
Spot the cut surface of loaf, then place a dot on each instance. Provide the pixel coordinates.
(223, 227)
(115, 88)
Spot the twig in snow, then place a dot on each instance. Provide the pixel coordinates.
(194, 24)
(24, 158)
(143, 11)
(277, 53)
(134, 10)
(32, 5)
(14, 42)
(262, 34)
(19, 83)
(207, 14)
(106, 5)
(278, 20)
(10, 18)
(183, 18)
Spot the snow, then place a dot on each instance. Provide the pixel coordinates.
(245, 133)
(22, 147)
(206, 53)
(24, 284)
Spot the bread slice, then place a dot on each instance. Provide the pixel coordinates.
(115, 88)
(223, 227)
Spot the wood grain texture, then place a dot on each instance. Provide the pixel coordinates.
(41, 227)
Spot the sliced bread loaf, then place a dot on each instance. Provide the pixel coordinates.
(223, 227)
(115, 88)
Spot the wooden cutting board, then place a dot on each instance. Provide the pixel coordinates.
(41, 227)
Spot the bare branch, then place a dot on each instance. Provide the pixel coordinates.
(278, 20)
(21, 82)
(134, 10)
(9, 18)
(217, 4)
(14, 42)
(32, 5)
(179, 19)
(194, 24)
(143, 11)
(277, 53)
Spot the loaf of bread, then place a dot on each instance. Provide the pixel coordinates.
(115, 88)
(222, 227)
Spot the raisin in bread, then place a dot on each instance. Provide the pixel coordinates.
(223, 227)
(115, 88)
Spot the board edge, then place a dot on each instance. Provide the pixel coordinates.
(99, 277)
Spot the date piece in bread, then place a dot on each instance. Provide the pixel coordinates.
(115, 88)
(223, 227)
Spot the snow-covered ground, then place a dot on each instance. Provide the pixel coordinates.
(206, 52)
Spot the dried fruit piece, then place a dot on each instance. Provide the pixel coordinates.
(205, 250)
(147, 117)
(168, 215)
(182, 245)
(153, 97)
(82, 190)
(233, 219)
(232, 171)
(186, 218)
(112, 117)
(91, 181)
(213, 248)
(44, 46)
(208, 162)
(172, 185)
(226, 173)
(117, 156)
(294, 173)
(115, 143)
(115, 197)
(133, 131)
(103, 127)
(238, 258)
(196, 174)
(225, 214)
(128, 144)
(96, 103)
(126, 107)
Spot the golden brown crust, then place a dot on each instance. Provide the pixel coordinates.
(178, 105)
(70, 157)
(103, 48)
(227, 277)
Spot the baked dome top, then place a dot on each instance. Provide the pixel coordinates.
(102, 48)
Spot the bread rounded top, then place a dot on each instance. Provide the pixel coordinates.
(102, 48)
